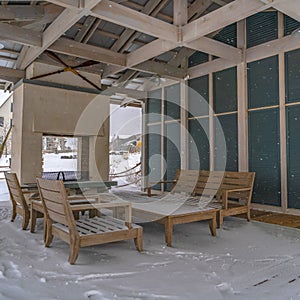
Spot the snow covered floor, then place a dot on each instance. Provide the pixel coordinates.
(245, 261)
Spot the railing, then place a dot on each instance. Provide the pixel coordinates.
(134, 177)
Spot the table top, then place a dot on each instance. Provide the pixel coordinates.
(78, 184)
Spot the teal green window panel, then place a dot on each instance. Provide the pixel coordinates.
(199, 144)
(172, 102)
(228, 35)
(197, 58)
(290, 25)
(293, 156)
(153, 106)
(263, 82)
(292, 77)
(261, 28)
(264, 156)
(225, 91)
(198, 94)
(226, 131)
(172, 151)
(153, 153)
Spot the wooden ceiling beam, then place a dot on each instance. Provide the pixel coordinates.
(152, 67)
(216, 48)
(73, 48)
(149, 51)
(21, 13)
(180, 12)
(20, 35)
(124, 16)
(12, 75)
(61, 24)
(220, 18)
(285, 44)
(288, 7)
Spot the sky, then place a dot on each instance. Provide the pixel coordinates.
(3, 96)
(125, 120)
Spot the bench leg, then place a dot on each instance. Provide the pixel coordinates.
(74, 251)
(14, 213)
(25, 220)
(33, 216)
(169, 231)
(213, 225)
(220, 219)
(248, 215)
(48, 236)
(138, 241)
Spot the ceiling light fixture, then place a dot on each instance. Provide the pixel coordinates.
(296, 32)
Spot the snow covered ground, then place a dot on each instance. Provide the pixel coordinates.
(245, 261)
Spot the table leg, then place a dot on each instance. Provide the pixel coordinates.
(168, 231)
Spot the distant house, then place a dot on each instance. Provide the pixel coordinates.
(6, 113)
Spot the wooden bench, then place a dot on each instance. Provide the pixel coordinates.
(234, 195)
(232, 191)
(183, 182)
(189, 182)
(60, 221)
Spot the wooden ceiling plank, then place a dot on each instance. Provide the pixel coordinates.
(66, 3)
(198, 7)
(125, 36)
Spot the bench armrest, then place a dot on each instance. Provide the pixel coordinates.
(148, 188)
(237, 190)
(226, 192)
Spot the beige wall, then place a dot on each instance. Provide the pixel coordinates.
(47, 110)
(5, 112)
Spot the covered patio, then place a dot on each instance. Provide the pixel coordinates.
(218, 85)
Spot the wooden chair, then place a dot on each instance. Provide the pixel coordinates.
(20, 204)
(60, 221)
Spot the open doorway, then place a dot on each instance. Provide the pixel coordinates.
(125, 145)
(59, 153)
